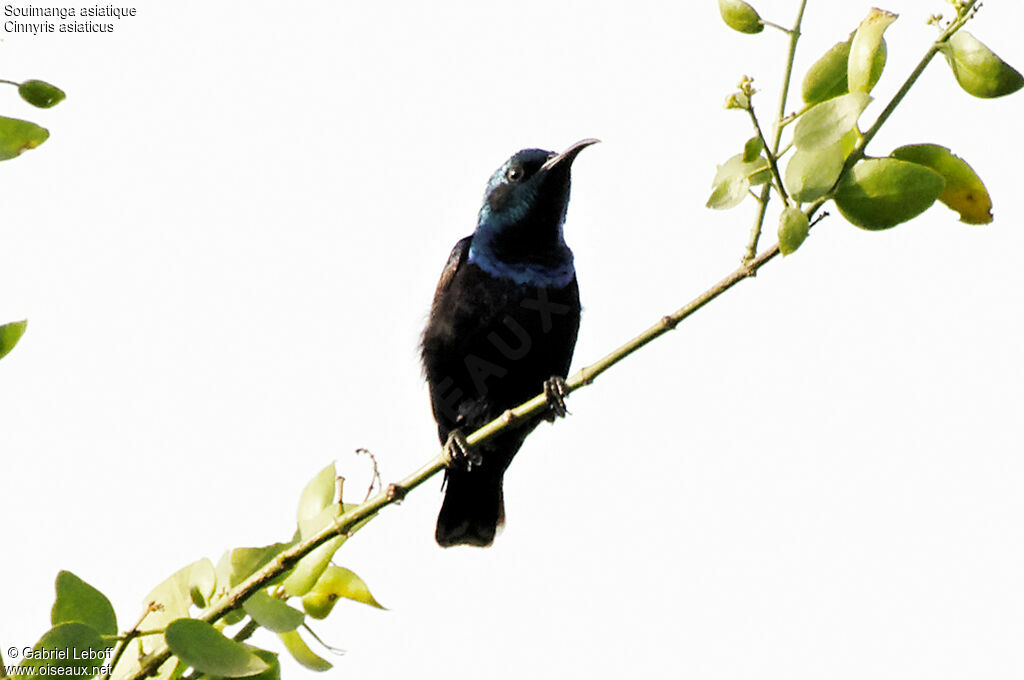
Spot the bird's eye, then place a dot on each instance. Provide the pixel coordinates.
(514, 174)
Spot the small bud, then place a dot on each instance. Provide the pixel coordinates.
(740, 16)
(737, 100)
(40, 94)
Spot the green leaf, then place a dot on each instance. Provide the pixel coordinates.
(206, 649)
(318, 494)
(267, 657)
(130, 664)
(174, 596)
(41, 94)
(978, 69)
(301, 652)
(73, 649)
(241, 563)
(336, 582)
(19, 135)
(883, 192)
(77, 601)
(308, 571)
(828, 77)
(10, 334)
(826, 123)
(810, 174)
(793, 229)
(752, 149)
(964, 191)
(865, 48)
(734, 178)
(740, 16)
(271, 613)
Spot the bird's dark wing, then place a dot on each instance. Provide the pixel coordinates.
(459, 254)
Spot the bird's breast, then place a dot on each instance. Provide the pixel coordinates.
(493, 341)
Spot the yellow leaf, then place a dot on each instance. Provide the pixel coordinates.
(964, 192)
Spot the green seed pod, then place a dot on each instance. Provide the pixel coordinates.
(882, 192)
(793, 228)
(827, 78)
(978, 70)
(40, 94)
(740, 16)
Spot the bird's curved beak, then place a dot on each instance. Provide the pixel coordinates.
(568, 156)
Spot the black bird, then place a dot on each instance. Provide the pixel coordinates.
(502, 329)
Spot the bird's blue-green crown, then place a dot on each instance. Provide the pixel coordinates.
(519, 232)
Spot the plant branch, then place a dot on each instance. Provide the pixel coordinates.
(132, 633)
(773, 162)
(955, 25)
(343, 525)
(773, 150)
(347, 522)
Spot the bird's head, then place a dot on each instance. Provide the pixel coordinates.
(524, 207)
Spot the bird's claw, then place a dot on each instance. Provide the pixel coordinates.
(459, 450)
(555, 391)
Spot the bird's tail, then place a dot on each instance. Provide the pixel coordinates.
(473, 507)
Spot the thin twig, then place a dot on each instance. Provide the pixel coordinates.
(773, 162)
(376, 480)
(338, 651)
(773, 150)
(132, 633)
(774, 25)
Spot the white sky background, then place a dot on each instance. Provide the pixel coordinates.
(228, 247)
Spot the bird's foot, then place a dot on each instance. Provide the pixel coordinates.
(459, 450)
(555, 391)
